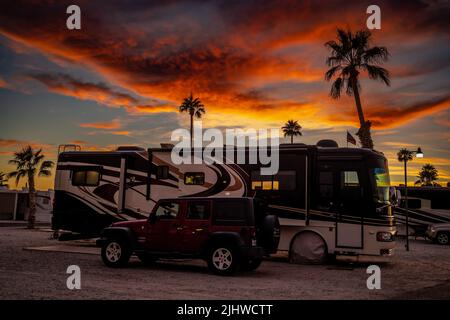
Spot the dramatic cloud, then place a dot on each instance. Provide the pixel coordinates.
(67, 85)
(114, 124)
(253, 63)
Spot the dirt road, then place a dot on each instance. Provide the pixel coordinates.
(424, 272)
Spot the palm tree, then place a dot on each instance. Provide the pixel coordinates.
(350, 55)
(427, 175)
(3, 179)
(195, 108)
(27, 162)
(291, 128)
(404, 155)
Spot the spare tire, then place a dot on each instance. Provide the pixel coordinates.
(268, 234)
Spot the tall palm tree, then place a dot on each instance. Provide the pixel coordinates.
(29, 163)
(427, 175)
(194, 107)
(350, 55)
(3, 179)
(404, 155)
(291, 128)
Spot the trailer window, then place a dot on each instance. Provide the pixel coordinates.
(162, 172)
(88, 178)
(194, 178)
(283, 180)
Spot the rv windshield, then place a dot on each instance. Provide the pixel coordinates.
(380, 174)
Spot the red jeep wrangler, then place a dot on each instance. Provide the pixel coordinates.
(229, 233)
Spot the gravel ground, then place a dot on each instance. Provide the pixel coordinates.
(423, 273)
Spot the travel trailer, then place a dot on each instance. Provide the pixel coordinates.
(329, 200)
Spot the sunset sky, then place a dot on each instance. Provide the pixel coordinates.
(119, 80)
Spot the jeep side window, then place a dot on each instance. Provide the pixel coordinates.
(198, 210)
(167, 210)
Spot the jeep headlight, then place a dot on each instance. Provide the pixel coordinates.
(385, 236)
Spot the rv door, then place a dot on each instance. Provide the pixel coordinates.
(340, 190)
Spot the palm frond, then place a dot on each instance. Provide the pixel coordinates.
(378, 73)
(331, 72)
(336, 88)
(376, 55)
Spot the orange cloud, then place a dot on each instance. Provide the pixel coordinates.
(121, 133)
(114, 124)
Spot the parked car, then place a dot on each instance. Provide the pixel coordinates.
(439, 232)
(229, 233)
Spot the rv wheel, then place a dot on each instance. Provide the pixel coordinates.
(308, 248)
(116, 253)
(442, 238)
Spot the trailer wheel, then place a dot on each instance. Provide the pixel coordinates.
(116, 253)
(308, 248)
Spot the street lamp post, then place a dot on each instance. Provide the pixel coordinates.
(419, 154)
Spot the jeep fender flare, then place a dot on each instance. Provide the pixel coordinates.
(119, 233)
(216, 238)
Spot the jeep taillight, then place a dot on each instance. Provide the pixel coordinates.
(249, 235)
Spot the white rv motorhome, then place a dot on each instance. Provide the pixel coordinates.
(330, 200)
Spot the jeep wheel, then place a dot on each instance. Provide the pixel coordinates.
(251, 264)
(442, 238)
(223, 260)
(115, 253)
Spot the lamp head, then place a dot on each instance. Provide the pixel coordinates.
(419, 153)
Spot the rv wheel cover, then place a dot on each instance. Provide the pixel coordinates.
(113, 251)
(222, 259)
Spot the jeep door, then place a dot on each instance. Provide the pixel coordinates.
(163, 233)
(195, 225)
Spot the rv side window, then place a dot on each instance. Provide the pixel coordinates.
(88, 178)
(162, 172)
(194, 178)
(349, 179)
(283, 180)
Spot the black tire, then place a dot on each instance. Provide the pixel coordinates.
(269, 234)
(443, 238)
(116, 253)
(146, 258)
(251, 264)
(223, 259)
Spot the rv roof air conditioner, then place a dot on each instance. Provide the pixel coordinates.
(327, 143)
(129, 148)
